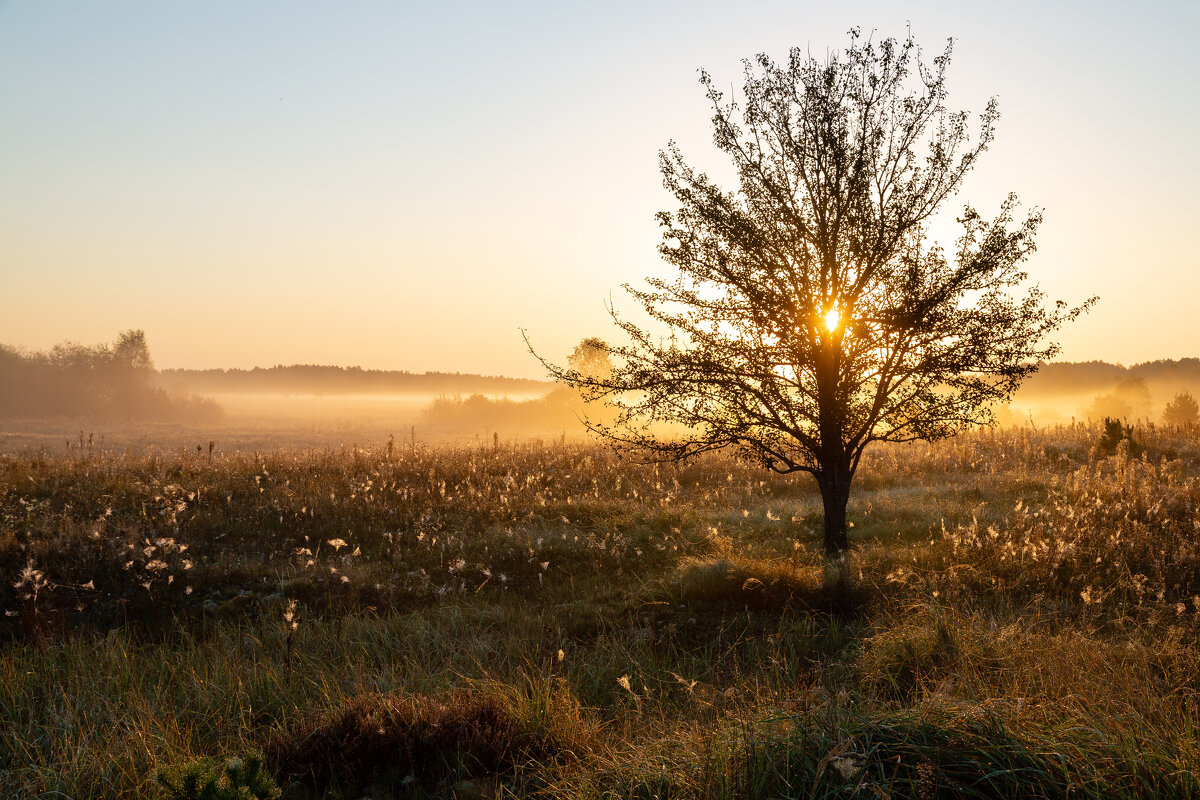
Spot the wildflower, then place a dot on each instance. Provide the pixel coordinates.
(337, 544)
(289, 614)
(31, 580)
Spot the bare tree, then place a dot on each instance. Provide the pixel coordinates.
(810, 315)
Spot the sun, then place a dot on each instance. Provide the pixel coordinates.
(832, 318)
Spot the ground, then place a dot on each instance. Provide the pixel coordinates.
(499, 620)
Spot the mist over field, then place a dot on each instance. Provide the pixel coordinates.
(112, 394)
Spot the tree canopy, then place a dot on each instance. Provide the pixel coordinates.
(810, 314)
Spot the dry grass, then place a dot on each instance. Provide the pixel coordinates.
(420, 741)
(551, 621)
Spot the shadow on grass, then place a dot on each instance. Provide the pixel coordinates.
(764, 585)
(393, 743)
(925, 756)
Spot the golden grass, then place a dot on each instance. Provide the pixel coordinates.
(614, 630)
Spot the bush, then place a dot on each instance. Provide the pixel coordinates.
(1113, 434)
(241, 779)
(397, 741)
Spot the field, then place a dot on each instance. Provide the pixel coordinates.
(498, 619)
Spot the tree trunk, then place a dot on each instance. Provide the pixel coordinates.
(835, 493)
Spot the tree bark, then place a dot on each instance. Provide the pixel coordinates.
(835, 494)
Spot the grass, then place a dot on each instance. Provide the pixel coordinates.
(551, 621)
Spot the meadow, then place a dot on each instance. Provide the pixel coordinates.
(544, 619)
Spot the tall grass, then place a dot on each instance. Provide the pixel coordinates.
(550, 620)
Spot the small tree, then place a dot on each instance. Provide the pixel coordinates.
(1112, 433)
(132, 352)
(1182, 411)
(1133, 390)
(590, 358)
(810, 316)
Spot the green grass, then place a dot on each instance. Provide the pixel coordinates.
(551, 621)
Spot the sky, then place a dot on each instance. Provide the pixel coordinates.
(402, 185)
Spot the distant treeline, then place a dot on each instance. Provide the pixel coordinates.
(313, 379)
(1096, 376)
(561, 409)
(95, 382)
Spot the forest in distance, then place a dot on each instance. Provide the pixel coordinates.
(108, 386)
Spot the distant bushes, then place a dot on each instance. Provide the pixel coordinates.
(1182, 411)
(560, 409)
(101, 381)
(316, 379)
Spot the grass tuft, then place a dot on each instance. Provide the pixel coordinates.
(394, 741)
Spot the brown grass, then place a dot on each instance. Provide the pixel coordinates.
(399, 740)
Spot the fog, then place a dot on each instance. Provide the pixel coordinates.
(1064, 392)
(109, 397)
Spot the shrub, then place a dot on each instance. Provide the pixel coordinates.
(1113, 434)
(393, 740)
(240, 779)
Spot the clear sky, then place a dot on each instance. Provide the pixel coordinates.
(405, 185)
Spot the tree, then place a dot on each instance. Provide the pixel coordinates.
(810, 316)
(133, 352)
(1182, 411)
(590, 358)
(1106, 406)
(1112, 433)
(1133, 391)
